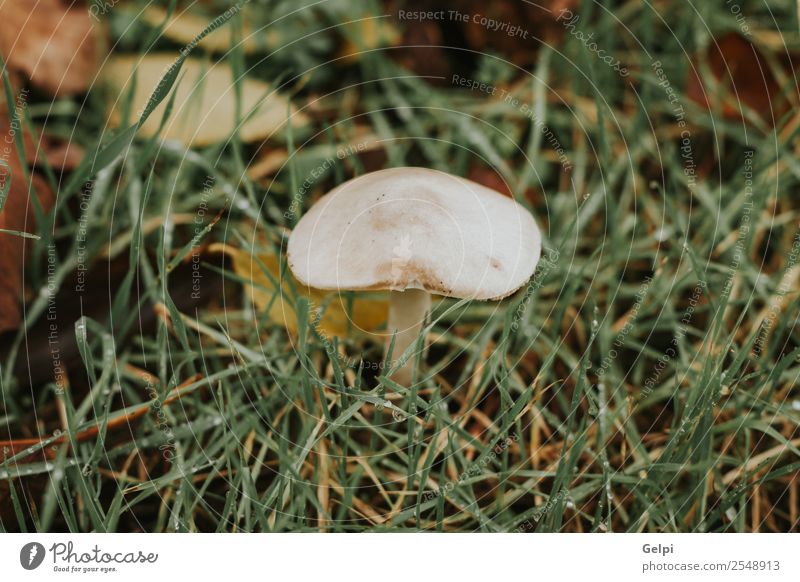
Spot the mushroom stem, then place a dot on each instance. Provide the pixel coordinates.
(407, 310)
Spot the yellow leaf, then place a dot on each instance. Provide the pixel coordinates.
(204, 111)
(367, 313)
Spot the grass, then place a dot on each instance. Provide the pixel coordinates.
(645, 380)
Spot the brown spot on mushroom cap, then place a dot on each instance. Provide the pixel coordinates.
(415, 276)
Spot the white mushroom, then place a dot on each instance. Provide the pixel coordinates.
(415, 231)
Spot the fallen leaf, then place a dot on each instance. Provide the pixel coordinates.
(368, 311)
(515, 29)
(204, 110)
(58, 154)
(53, 43)
(489, 178)
(741, 80)
(436, 48)
(17, 215)
(422, 51)
(183, 27)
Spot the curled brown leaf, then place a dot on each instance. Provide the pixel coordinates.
(52, 43)
(17, 215)
(741, 80)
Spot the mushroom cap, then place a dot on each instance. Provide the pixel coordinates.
(416, 228)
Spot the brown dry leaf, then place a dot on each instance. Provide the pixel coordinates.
(183, 27)
(17, 215)
(59, 155)
(422, 52)
(204, 111)
(536, 23)
(435, 47)
(369, 310)
(50, 42)
(742, 80)
(490, 178)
